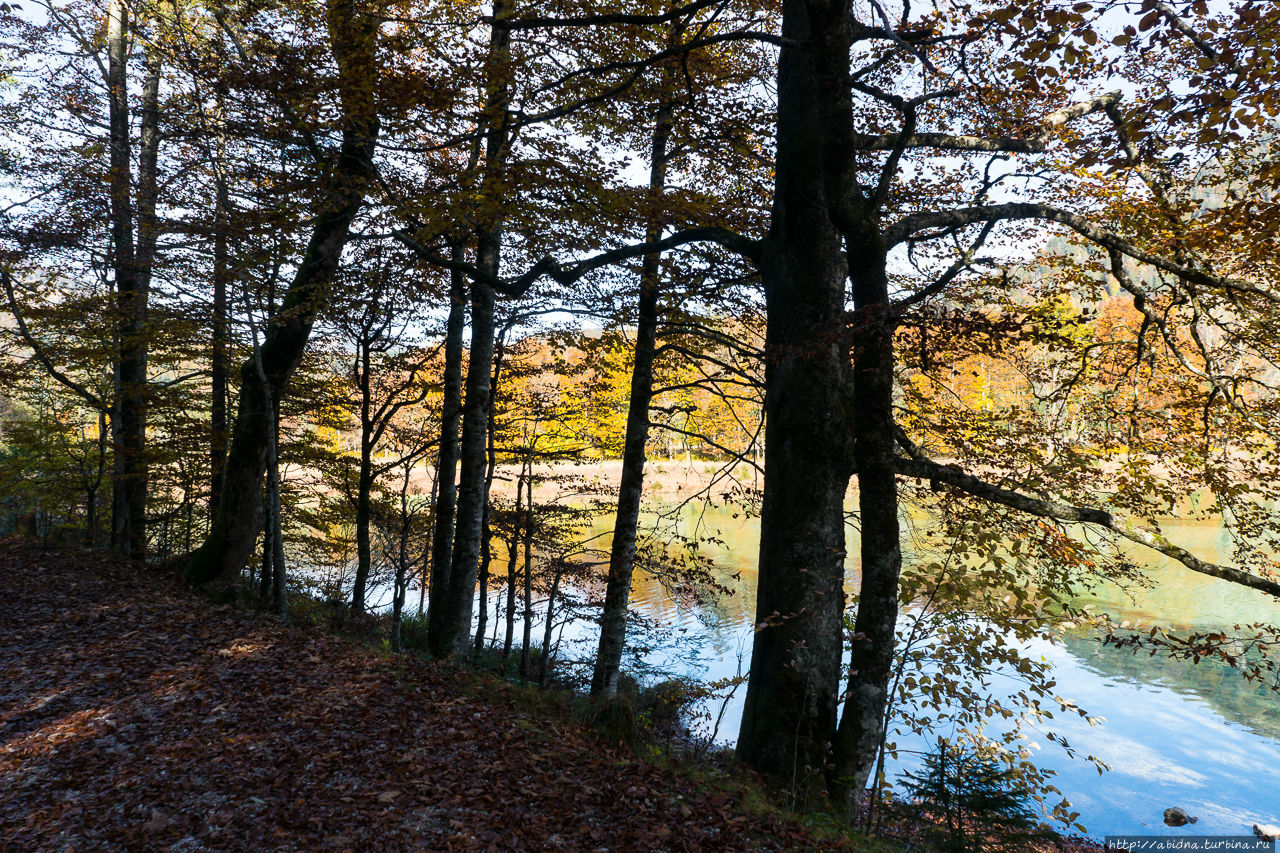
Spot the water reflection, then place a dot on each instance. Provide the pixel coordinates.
(1174, 733)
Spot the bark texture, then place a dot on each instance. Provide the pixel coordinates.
(871, 659)
(131, 264)
(447, 461)
(452, 625)
(454, 629)
(789, 718)
(364, 482)
(220, 361)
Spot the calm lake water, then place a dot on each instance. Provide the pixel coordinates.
(1174, 734)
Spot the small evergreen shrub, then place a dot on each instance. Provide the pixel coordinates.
(977, 802)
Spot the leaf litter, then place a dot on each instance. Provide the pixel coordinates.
(136, 715)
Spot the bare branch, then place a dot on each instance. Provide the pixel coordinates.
(549, 267)
(1181, 25)
(178, 380)
(1034, 144)
(888, 31)
(605, 20)
(41, 355)
(905, 228)
(965, 261)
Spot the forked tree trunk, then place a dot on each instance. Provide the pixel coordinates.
(513, 554)
(231, 537)
(870, 669)
(447, 461)
(453, 633)
(455, 627)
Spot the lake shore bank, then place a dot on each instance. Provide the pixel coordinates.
(139, 715)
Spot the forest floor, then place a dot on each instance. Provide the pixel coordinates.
(137, 715)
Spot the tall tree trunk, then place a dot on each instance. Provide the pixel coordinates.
(231, 536)
(455, 627)
(364, 484)
(273, 567)
(220, 363)
(789, 717)
(136, 339)
(364, 549)
(447, 462)
(622, 553)
(402, 563)
(482, 580)
(513, 554)
(91, 539)
(870, 668)
(90, 517)
(486, 533)
(279, 587)
(122, 251)
(544, 667)
(267, 574)
(131, 266)
(527, 575)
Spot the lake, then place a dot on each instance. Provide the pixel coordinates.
(1173, 733)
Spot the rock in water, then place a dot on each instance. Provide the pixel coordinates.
(1266, 832)
(1178, 817)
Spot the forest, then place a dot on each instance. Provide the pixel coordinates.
(438, 313)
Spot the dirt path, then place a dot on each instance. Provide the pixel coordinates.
(136, 716)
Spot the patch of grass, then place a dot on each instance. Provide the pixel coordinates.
(720, 774)
(614, 720)
(413, 632)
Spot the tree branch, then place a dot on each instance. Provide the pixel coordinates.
(917, 465)
(1180, 24)
(1015, 145)
(41, 355)
(906, 227)
(549, 267)
(606, 20)
(960, 264)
